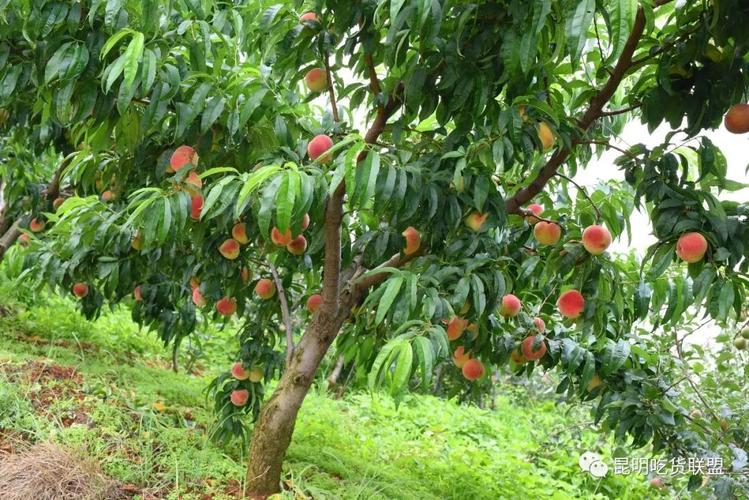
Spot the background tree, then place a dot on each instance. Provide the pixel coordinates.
(206, 181)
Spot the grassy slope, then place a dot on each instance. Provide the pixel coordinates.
(101, 386)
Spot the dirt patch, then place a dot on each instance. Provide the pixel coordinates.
(46, 471)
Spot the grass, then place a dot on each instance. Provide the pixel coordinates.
(106, 388)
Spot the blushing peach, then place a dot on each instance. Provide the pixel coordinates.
(413, 240)
(226, 306)
(239, 233)
(737, 119)
(182, 156)
(533, 348)
(596, 239)
(239, 397)
(316, 80)
(571, 304)
(265, 288)
(297, 246)
(80, 290)
(475, 220)
(473, 369)
(318, 146)
(280, 239)
(691, 247)
(511, 306)
(455, 327)
(313, 302)
(229, 249)
(547, 233)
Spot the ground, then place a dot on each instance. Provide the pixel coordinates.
(106, 390)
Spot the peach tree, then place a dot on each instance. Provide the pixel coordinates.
(389, 180)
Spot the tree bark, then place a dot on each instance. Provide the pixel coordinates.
(275, 425)
(10, 237)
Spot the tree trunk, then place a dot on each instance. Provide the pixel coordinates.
(333, 377)
(10, 237)
(275, 425)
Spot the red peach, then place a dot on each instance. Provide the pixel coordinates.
(737, 119)
(473, 369)
(313, 302)
(691, 247)
(535, 209)
(181, 157)
(57, 203)
(197, 297)
(239, 372)
(547, 233)
(108, 196)
(193, 181)
(265, 288)
(510, 306)
(413, 240)
(80, 290)
(517, 357)
(316, 80)
(460, 357)
(37, 225)
(305, 222)
(455, 327)
(196, 202)
(240, 397)
(229, 249)
(540, 324)
(137, 294)
(475, 220)
(318, 146)
(226, 306)
(596, 239)
(280, 239)
(533, 350)
(308, 17)
(239, 233)
(571, 304)
(245, 275)
(297, 246)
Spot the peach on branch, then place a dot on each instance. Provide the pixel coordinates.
(595, 383)
(265, 288)
(540, 324)
(57, 203)
(547, 233)
(305, 222)
(510, 306)
(197, 297)
(226, 306)
(316, 80)
(475, 220)
(137, 242)
(297, 246)
(256, 374)
(308, 17)
(473, 369)
(229, 249)
(182, 156)
(413, 240)
(280, 239)
(318, 146)
(313, 302)
(24, 240)
(37, 225)
(455, 327)
(137, 293)
(739, 343)
(571, 304)
(239, 397)
(460, 357)
(737, 119)
(239, 233)
(194, 282)
(108, 196)
(536, 210)
(517, 357)
(193, 181)
(533, 347)
(691, 247)
(80, 290)
(596, 239)
(245, 275)
(239, 372)
(545, 135)
(196, 206)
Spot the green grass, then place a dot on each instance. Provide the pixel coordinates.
(108, 403)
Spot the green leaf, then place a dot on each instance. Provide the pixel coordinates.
(614, 357)
(425, 356)
(112, 41)
(403, 368)
(133, 54)
(382, 363)
(578, 24)
(391, 292)
(285, 198)
(622, 15)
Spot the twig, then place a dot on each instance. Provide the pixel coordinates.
(685, 368)
(621, 111)
(331, 91)
(284, 312)
(584, 192)
(610, 146)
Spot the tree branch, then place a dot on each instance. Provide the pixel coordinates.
(374, 278)
(610, 146)
(593, 112)
(621, 111)
(10, 237)
(284, 313)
